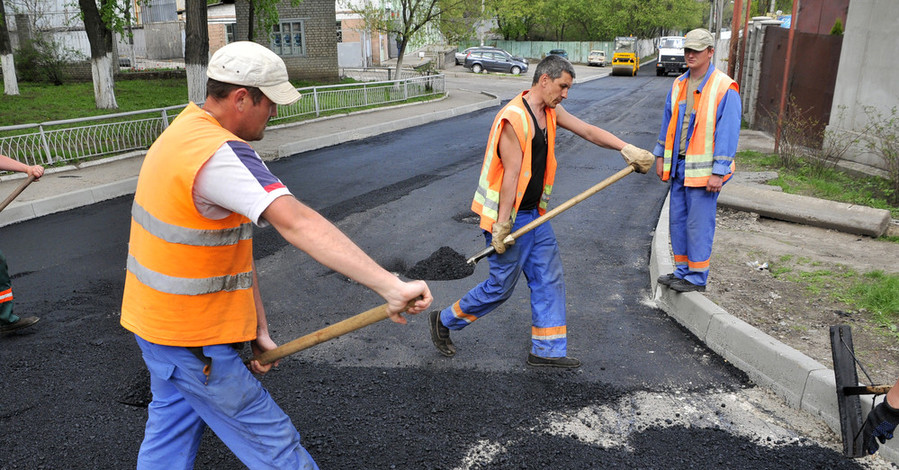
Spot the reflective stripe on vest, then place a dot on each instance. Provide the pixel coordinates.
(700, 153)
(189, 279)
(6, 295)
(486, 197)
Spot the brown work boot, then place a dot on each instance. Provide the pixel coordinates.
(563, 362)
(440, 335)
(19, 324)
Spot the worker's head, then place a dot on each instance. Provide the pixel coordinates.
(246, 82)
(250, 65)
(553, 66)
(552, 80)
(699, 46)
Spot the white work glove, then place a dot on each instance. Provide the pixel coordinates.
(641, 160)
(501, 230)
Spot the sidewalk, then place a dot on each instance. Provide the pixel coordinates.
(802, 382)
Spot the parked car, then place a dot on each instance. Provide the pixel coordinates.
(558, 52)
(495, 60)
(597, 58)
(460, 56)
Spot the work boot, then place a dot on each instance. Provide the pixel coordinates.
(18, 324)
(440, 335)
(683, 285)
(563, 362)
(667, 279)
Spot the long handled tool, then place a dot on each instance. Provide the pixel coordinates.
(554, 212)
(848, 390)
(325, 334)
(16, 192)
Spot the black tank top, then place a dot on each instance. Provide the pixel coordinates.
(531, 198)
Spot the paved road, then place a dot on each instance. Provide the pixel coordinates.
(648, 396)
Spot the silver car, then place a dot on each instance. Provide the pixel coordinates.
(460, 56)
(495, 60)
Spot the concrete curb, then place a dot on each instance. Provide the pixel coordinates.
(364, 132)
(72, 200)
(849, 218)
(801, 381)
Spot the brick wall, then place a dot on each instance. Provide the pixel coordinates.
(320, 61)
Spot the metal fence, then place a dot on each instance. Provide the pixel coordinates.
(75, 140)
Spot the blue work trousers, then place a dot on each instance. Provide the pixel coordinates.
(536, 254)
(230, 401)
(691, 223)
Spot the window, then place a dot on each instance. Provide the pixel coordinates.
(289, 38)
(339, 33)
(229, 33)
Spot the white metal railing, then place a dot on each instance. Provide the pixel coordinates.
(73, 140)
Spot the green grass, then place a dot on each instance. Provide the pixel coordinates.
(42, 102)
(828, 184)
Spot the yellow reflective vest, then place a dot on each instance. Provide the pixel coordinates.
(700, 153)
(189, 279)
(486, 197)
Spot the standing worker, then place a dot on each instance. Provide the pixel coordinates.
(191, 291)
(696, 152)
(8, 320)
(516, 181)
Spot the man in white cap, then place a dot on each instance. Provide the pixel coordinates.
(191, 292)
(696, 149)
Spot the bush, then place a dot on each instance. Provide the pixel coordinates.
(43, 61)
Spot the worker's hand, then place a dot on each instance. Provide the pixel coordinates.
(501, 230)
(261, 344)
(660, 166)
(35, 170)
(398, 300)
(879, 426)
(714, 184)
(641, 160)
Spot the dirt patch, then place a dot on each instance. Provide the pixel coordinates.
(443, 265)
(748, 247)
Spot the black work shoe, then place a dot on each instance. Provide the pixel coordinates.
(440, 335)
(564, 362)
(19, 324)
(683, 285)
(667, 279)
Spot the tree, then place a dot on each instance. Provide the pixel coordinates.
(413, 15)
(196, 49)
(10, 83)
(459, 21)
(98, 21)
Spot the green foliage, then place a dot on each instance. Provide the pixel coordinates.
(882, 138)
(43, 60)
(878, 293)
(837, 29)
(592, 20)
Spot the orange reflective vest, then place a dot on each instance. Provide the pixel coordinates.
(189, 280)
(700, 153)
(486, 198)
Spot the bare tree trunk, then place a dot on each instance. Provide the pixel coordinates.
(399, 56)
(196, 50)
(10, 83)
(100, 38)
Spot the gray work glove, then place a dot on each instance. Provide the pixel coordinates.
(641, 160)
(879, 426)
(501, 230)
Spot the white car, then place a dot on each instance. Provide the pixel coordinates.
(597, 58)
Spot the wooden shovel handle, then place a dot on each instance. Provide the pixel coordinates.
(328, 333)
(555, 211)
(16, 192)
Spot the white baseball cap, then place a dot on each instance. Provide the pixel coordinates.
(247, 63)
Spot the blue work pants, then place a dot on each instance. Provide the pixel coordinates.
(536, 255)
(230, 401)
(691, 223)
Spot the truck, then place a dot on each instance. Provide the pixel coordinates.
(625, 60)
(671, 56)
